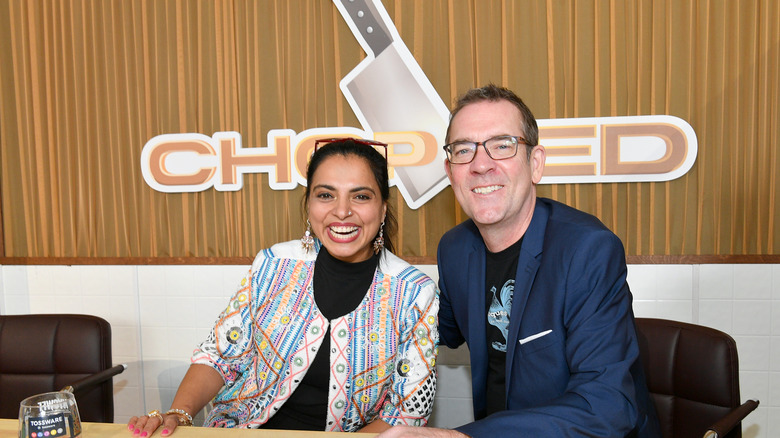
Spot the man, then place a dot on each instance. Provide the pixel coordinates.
(535, 288)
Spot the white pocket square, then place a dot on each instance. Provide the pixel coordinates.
(536, 336)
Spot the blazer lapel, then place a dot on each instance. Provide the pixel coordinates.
(477, 317)
(527, 267)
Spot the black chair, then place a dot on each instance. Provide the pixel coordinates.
(693, 376)
(45, 353)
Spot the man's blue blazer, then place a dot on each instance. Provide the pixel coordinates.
(572, 363)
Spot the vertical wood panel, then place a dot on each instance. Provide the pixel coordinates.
(85, 83)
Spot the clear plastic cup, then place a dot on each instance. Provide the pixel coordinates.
(49, 415)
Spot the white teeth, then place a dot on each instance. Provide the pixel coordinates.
(486, 190)
(344, 230)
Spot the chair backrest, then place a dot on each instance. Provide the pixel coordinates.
(43, 353)
(692, 374)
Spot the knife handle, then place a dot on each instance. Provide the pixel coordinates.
(364, 15)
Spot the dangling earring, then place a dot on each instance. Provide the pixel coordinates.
(307, 242)
(379, 242)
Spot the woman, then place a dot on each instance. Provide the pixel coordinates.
(329, 333)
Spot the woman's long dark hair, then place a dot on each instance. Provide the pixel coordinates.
(378, 165)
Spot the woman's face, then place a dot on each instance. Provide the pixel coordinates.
(346, 207)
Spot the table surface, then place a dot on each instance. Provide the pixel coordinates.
(10, 429)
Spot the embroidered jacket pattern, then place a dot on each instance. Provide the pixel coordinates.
(382, 358)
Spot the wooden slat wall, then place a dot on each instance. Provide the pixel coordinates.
(84, 84)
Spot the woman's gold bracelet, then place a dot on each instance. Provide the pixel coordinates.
(185, 419)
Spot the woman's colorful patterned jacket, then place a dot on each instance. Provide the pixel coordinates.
(382, 354)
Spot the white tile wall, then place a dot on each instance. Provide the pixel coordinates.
(159, 313)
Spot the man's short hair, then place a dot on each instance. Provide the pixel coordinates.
(494, 93)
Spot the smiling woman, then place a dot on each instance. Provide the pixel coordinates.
(337, 309)
(346, 199)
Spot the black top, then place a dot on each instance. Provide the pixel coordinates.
(339, 287)
(500, 272)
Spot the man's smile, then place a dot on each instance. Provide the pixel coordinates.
(487, 189)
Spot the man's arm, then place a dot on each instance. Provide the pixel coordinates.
(420, 432)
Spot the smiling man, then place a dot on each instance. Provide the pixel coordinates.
(535, 288)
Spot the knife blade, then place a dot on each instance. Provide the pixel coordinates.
(389, 92)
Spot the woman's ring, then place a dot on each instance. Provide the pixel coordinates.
(156, 413)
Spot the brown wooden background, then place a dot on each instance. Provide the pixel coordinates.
(85, 84)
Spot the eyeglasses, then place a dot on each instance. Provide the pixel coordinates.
(497, 148)
(362, 141)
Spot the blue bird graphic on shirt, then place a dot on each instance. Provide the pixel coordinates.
(500, 308)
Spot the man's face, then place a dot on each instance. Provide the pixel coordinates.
(499, 194)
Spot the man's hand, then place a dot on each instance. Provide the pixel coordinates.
(420, 432)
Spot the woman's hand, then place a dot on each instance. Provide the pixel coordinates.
(199, 385)
(145, 425)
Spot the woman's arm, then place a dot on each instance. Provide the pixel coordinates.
(414, 374)
(198, 387)
(212, 365)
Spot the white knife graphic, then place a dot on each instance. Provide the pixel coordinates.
(389, 92)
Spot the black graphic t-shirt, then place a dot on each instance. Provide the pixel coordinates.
(500, 271)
